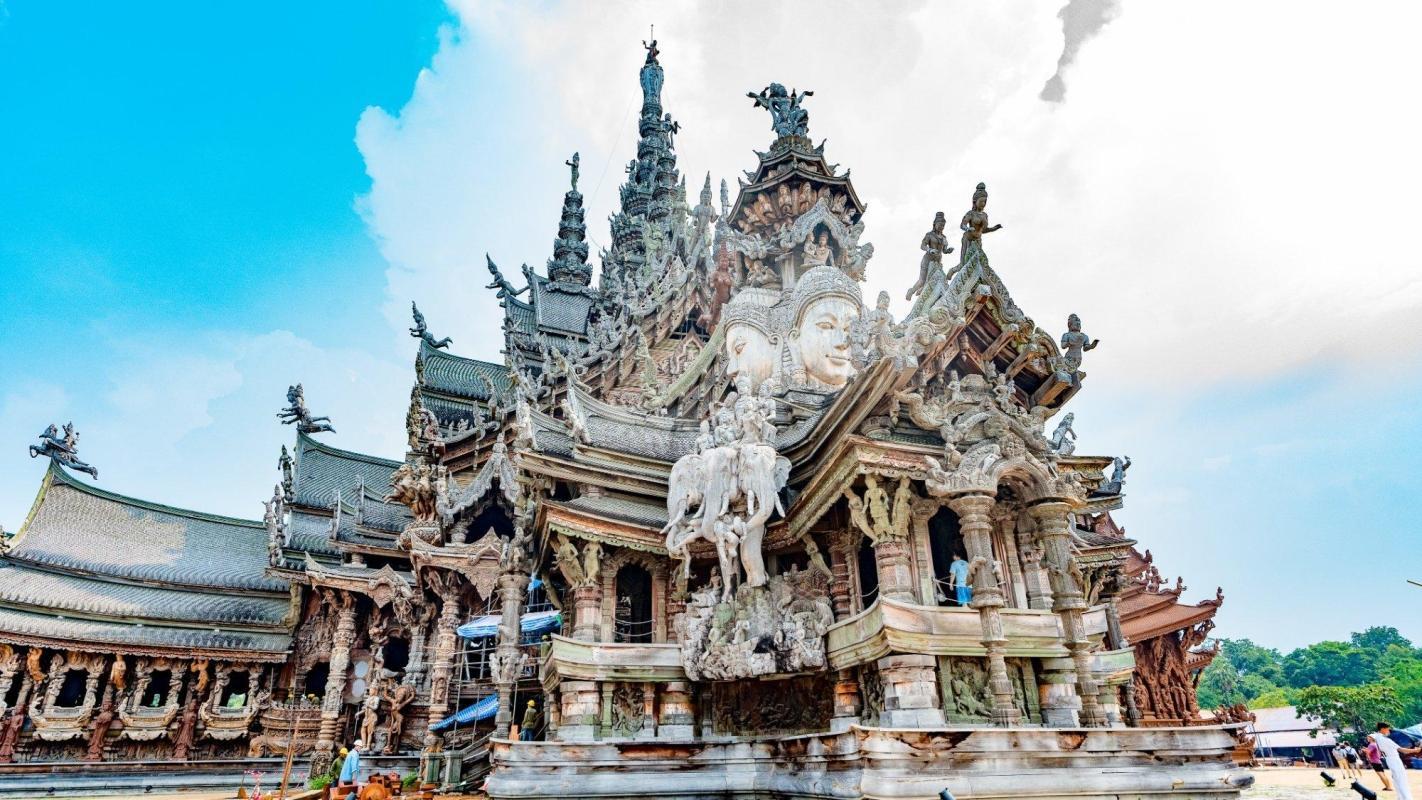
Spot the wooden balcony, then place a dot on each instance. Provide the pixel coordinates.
(893, 626)
(571, 659)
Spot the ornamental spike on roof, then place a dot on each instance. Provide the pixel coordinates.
(570, 250)
(649, 193)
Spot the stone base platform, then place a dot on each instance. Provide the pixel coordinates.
(893, 764)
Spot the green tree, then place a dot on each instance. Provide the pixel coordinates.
(1251, 659)
(1330, 664)
(1349, 708)
(1275, 698)
(1401, 668)
(1219, 684)
(1379, 639)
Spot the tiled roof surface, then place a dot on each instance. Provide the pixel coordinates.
(448, 410)
(47, 592)
(309, 533)
(622, 509)
(322, 470)
(22, 624)
(457, 375)
(78, 527)
(560, 311)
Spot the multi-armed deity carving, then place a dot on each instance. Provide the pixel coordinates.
(296, 412)
(787, 118)
(63, 450)
(421, 331)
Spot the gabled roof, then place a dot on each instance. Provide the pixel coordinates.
(322, 470)
(460, 376)
(78, 528)
(560, 307)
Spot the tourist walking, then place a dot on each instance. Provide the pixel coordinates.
(1392, 756)
(1350, 761)
(1373, 753)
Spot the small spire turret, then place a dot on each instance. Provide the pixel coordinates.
(570, 250)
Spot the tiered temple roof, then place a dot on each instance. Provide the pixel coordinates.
(123, 575)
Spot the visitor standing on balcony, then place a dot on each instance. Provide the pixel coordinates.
(958, 579)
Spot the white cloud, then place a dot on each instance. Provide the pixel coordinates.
(1224, 192)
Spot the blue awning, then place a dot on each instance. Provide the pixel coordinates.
(532, 624)
(484, 709)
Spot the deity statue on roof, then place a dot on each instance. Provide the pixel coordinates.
(297, 412)
(974, 225)
(62, 450)
(930, 268)
(1074, 343)
(422, 331)
(787, 118)
(573, 168)
(817, 251)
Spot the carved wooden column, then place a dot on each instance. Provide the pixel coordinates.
(340, 664)
(842, 564)
(506, 650)
(848, 704)
(923, 511)
(1034, 576)
(446, 643)
(1069, 602)
(973, 512)
(587, 612)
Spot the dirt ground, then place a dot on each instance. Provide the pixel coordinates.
(1304, 783)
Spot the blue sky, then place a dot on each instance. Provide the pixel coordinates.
(201, 205)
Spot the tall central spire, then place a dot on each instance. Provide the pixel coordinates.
(648, 195)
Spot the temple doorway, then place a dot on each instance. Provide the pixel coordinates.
(945, 538)
(868, 573)
(632, 616)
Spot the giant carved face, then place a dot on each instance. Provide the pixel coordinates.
(823, 336)
(748, 353)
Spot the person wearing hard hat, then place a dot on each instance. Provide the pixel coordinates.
(530, 722)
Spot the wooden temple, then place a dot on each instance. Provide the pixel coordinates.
(717, 526)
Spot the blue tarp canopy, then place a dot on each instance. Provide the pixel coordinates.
(484, 709)
(530, 625)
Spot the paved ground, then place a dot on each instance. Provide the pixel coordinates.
(1279, 783)
(1301, 783)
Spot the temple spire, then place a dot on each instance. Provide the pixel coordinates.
(570, 250)
(648, 196)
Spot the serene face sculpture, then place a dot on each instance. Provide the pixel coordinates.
(748, 353)
(823, 337)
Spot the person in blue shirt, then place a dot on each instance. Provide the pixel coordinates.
(350, 771)
(958, 579)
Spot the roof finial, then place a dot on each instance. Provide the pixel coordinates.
(651, 46)
(62, 450)
(421, 331)
(786, 116)
(298, 413)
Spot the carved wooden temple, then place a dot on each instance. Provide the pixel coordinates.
(715, 527)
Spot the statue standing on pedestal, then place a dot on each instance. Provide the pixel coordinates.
(930, 267)
(1074, 343)
(974, 225)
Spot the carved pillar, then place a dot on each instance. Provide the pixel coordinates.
(1039, 591)
(848, 704)
(891, 554)
(587, 612)
(340, 663)
(446, 643)
(841, 567)
(911, 698)
(1068, 601)
(973, 512)
(506, 651)
(677, 718)
(579, 712)
(923, 511)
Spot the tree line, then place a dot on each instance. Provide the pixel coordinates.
(1374, 676)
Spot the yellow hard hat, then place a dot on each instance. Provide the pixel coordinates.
(530, 702)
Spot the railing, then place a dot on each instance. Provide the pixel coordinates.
(625, 630)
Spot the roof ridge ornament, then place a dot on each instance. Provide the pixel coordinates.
(787, 118)
(298, 413)
(421, 330)
(62, 450)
